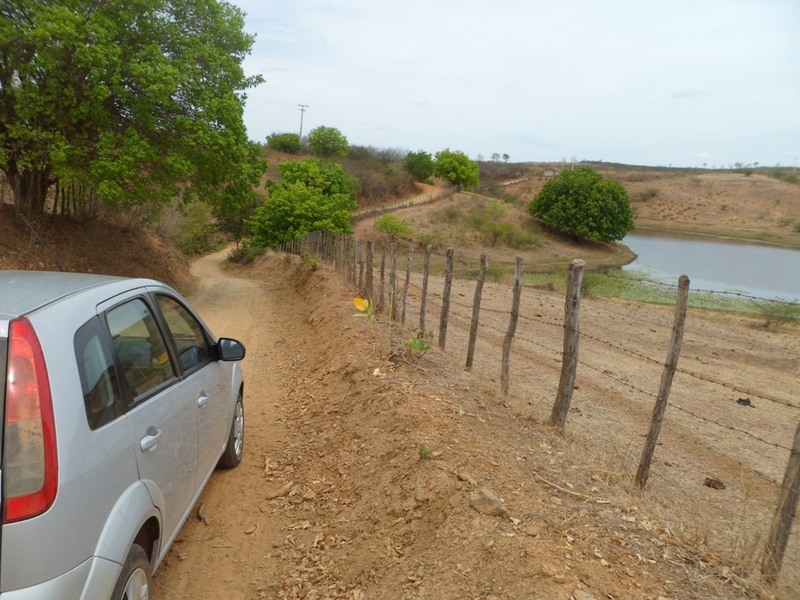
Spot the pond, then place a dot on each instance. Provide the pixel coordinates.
(716, 264)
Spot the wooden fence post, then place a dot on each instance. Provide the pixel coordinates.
(448, 283)
(423, 306)
(476, 310)
(407, 282)
(569, 359)
(393, 281)
(512, 328)
(360, 258)
(784, 515)
(370, 269)
(643, 472)
(379, 304)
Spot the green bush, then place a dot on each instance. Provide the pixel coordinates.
(394, 228)
(284, 142)
(583, 204)
(311, 196)
(419, 165)
(327, 142)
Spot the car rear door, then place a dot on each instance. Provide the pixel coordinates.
(162, 416)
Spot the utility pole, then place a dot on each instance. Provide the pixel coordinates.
(302, 108)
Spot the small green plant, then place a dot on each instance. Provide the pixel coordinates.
(418, 346)
(392, 228)
(425, 453)
(495, 273)
(776, 312)
(312, 260)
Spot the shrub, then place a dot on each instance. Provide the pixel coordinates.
(284, 142)
(419, 165)
(457, 169)
(585, 205)
(394, 228)
(327, 142)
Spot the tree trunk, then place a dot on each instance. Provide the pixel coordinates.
(30, 188)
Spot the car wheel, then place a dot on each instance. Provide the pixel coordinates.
(235, 447)
(135, 580)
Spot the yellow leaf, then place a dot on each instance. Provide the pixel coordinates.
(361, 304)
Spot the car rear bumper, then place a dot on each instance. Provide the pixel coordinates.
(99, 573)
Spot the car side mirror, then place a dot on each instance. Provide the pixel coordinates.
(229, 349)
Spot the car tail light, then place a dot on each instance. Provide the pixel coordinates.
(31, 462)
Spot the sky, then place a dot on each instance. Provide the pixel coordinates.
(681, 83)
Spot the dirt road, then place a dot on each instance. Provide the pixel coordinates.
(368, 478)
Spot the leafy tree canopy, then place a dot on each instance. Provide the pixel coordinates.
(327, 142)
(419, 165)
(585, 205)
(310, 196)
(394, 228)
(139, 101)
(456, 168)
(284, 142)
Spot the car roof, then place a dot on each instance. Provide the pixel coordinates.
(22, 292)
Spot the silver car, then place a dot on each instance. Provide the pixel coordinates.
(117, 406)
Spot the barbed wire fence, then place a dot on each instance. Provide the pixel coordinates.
(422, 295)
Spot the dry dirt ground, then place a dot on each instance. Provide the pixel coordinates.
(373, 478)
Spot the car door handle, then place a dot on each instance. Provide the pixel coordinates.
(202, 400)
(150, 441)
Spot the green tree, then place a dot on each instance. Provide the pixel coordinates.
(394, 228)
(310, 196)
(327, 142)
(284, 142)
(419, 165)
(585, 205)
(457, 169)
(137, 101)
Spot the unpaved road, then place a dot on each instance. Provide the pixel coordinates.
(216, 553)
(335, 498)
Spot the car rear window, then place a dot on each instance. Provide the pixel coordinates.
(101, 393)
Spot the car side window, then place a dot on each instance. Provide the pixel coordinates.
(190, 339)
(140, 346)
(101, 395)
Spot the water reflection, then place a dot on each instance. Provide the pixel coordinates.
(718, 265)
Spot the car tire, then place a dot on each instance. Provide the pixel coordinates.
(135, 580)
(235, 446)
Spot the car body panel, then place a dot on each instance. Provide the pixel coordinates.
(109, 487)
